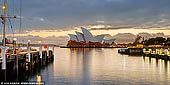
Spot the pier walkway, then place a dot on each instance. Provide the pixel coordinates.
(159, 53)
(19, 63)
(153, 52)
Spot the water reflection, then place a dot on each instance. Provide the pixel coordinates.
(105, 66)
(83, 56)
(23, 72)
(39, 79)
(91, 66)
(161, 70)
(100, 66)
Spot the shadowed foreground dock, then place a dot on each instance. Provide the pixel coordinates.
(17, 65)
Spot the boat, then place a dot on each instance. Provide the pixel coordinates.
(123, 51)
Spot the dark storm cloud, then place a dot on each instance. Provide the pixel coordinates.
(53, 14)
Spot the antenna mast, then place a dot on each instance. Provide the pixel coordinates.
(4, 7)
(3, 17)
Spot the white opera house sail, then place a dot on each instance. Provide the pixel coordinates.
(97, 38)
(86, 39)
(73, 37)
(87, 35)
(80, 37)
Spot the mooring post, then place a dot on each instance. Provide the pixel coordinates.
(47, 50)
(3, 54)
(53, 50)
(16, 56)
(28, 49)
(14, 51)
(17, 65)
(40, 49)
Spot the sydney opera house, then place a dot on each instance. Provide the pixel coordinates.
(86, 39)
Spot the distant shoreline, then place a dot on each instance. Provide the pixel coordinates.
(89, 47)
(36, 45)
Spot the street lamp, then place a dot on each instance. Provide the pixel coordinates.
(15, 39)
(39, 42)
(3, 7)
(28, 42)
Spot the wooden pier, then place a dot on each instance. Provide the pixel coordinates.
(159, 53)
(19, 62)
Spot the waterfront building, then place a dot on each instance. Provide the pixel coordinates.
(86, 39)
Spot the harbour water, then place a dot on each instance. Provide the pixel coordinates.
(98, 66)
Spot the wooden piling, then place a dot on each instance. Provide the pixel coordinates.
(19, 62)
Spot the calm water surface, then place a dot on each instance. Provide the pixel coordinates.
(98, 66)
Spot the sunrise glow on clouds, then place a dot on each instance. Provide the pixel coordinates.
(57, 33)
(62, 17)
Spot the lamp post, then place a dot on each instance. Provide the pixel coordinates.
(3, 53)
(39, 42)
(14, 52)
(14, 44)
(47, 51)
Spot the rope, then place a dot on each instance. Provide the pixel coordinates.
(11, 26)
(21, 20)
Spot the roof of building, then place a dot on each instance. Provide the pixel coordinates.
(80, 36)
(87, 35)
(73, 37)
(97, 38)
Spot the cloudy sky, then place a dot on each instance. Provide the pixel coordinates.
(46, 18)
